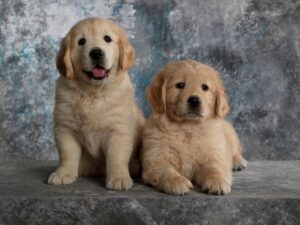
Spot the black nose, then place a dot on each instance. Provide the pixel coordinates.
(193, 101)
(96, 53)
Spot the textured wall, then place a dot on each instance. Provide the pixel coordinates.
(255, 45)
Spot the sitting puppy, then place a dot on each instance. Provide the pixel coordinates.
(96, 121)
(186, 137)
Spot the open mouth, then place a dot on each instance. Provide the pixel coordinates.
(97, 73)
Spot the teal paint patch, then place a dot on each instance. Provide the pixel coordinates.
(152, 23)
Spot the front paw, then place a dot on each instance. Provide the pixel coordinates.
(119, 183)
(178, 185)
(215, 186)
(61, 176)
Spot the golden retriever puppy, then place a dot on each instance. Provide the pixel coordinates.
(96, 121)
(186, 137)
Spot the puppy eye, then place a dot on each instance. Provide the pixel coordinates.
(204, 87)
(180, 85)
(81, 41)
(107, 38)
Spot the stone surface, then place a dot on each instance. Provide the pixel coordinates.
(254, 44)
(267, 192)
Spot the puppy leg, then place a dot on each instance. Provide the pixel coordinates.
(117, 160)
(238, 163)
(167, 179)
(214, 179)
(69, 158)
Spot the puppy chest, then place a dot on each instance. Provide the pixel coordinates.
(181, 152)
(88, 108)
(188, 142)
(99, 112)
(188, 148)
(94, 141)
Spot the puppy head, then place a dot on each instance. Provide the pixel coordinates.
(187, 90)
(94, 50)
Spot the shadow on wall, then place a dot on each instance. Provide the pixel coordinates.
(255, 45)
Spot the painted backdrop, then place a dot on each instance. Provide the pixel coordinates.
(254, 44)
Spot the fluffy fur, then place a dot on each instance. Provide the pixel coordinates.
(184, 143)
(96, 121)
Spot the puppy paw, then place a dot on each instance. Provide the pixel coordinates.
(60, 177)
(178, 185)
(215, 187)
(119, 183)
(238, 163)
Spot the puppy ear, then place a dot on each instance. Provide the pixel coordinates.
(222, 107)
(156, 94)
(126, 58)
(63, 59)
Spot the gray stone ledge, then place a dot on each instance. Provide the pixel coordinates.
(267, 192)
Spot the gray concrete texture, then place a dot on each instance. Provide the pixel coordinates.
(267, 192)
(254, 44)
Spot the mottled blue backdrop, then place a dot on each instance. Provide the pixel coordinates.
(254, 44)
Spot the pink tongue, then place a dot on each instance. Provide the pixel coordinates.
(98, 72)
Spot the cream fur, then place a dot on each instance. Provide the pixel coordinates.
(180, 147)
(96, 123)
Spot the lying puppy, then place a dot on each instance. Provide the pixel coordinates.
(96, 121)
(186, 138)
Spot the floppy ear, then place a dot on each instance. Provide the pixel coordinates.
(222, 107)
(156, 94)
(126, 50)
(63, 59)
